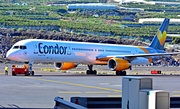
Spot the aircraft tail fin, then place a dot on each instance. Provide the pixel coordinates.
(160, 37)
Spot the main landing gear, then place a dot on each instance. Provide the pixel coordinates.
(121, 73)
(94, 72)
(91, 71)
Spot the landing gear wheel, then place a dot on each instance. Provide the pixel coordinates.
(124, 73)
(32, 73)
(118, 73)
(87, 72)
(94, 72)
(121, 73)
(91, 71)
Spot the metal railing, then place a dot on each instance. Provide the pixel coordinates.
(99, 102)
(63, 104)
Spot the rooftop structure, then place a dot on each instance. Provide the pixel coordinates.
(91, 6)
(158, 20)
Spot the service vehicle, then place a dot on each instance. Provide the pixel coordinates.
(25, 69)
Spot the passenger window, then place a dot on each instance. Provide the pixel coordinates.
(16, 47)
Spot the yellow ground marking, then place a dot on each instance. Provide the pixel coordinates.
(69, 92)
(2, 73)
(97, 92)
(176, 94)
(74, 84)
(114, 95)
(118, 91)
(49, 80)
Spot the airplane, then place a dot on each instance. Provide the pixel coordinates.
(68, 54)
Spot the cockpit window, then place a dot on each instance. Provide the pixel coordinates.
(16, 47)
(23, 47)
(20, 47)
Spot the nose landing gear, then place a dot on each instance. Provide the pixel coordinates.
(30, 71)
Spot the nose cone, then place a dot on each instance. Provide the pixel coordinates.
(11, 55)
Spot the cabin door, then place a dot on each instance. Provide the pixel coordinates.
(35, 52)
(68, 50)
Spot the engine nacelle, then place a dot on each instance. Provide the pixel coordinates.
(64, 65)
(118, 64)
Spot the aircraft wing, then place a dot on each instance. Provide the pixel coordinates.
(132, 56)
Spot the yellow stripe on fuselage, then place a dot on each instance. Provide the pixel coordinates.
(146, 51)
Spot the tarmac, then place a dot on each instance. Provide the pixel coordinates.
(39, 91)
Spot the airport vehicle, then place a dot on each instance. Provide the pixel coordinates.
(68, 54)
(22, 69)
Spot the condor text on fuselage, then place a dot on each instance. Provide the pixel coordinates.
(52, 49)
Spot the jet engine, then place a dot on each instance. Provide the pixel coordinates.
(118, 64)
(64, 65)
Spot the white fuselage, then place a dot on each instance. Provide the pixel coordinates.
(38, 50)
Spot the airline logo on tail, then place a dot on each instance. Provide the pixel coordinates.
(161, 37)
